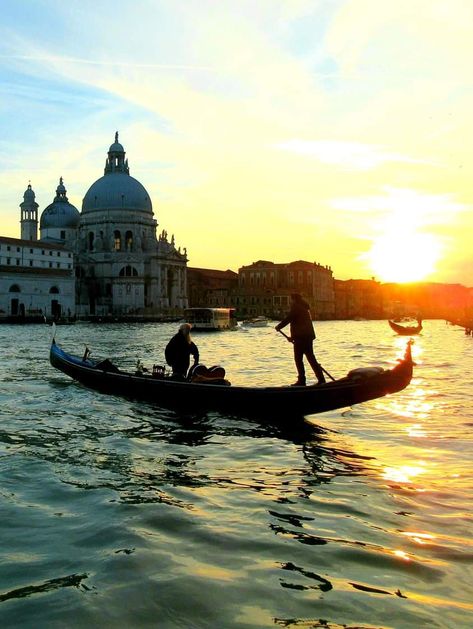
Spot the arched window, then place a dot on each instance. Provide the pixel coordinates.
(91, 241)
(118, 240)
(128, 240)
(14, 288)
(128, 271)
(54, 290)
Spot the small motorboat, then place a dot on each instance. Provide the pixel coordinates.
(255, 322)
(277, 402)
(407, 330)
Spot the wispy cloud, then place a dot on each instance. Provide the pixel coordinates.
(346, 154)
(406, 205)
(62, 59)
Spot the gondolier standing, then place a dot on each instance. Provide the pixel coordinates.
(302, 337)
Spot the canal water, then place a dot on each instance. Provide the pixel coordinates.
(116, 513)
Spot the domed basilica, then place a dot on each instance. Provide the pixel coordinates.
(122, 267)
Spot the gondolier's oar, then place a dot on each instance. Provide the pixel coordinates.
(286, 336)
(323, 369)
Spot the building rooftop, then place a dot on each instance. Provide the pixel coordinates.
(39, 244)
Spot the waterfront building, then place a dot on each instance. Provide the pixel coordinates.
(265, 288)
(358, 299)
(211, 288)
(36, 280)
(108, 256)
(36, 276)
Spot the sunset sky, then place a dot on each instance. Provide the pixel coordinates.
(335, 131)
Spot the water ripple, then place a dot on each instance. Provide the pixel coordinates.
(358, 518)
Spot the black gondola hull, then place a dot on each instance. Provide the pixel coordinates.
(248, 401)
(405, 330)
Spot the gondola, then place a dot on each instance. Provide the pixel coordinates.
(358, 386)
(406, 330)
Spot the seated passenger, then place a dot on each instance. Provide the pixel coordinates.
(179, 350)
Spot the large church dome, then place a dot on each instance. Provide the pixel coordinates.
(60, 214)
(116, 190)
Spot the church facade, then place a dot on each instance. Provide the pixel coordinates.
(121, 266)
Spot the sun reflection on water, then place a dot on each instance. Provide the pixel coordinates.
(419, 538)
(402, 555)
(415, 430)
(402, 473)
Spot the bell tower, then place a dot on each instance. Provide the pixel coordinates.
(29, 215)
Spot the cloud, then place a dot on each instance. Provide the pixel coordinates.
(405, 205)
(61, 60)
(346, 154)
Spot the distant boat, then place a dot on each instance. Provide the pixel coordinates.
(406, 330)
(206, 319)
(255, 322)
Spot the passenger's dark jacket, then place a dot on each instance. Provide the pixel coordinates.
(300, 320)
(178, 352)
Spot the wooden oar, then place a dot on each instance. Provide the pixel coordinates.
(323, 369)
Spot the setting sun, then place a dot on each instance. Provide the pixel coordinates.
(402, 255)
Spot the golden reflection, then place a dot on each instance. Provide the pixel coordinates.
(402, 555)
(416, 348)
(209, 571)
(416, 403)
(416, 430)
(419, 538)
(403, 473)
(446, 602)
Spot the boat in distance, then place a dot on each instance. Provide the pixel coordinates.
(206, 319)
(276, 402)
(255, 322)
(406, 330)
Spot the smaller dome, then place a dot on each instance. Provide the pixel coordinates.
(60, 214)
(116, 147)
(29, 194)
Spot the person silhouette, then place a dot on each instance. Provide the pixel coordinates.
(302, 338)
(179, 350)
